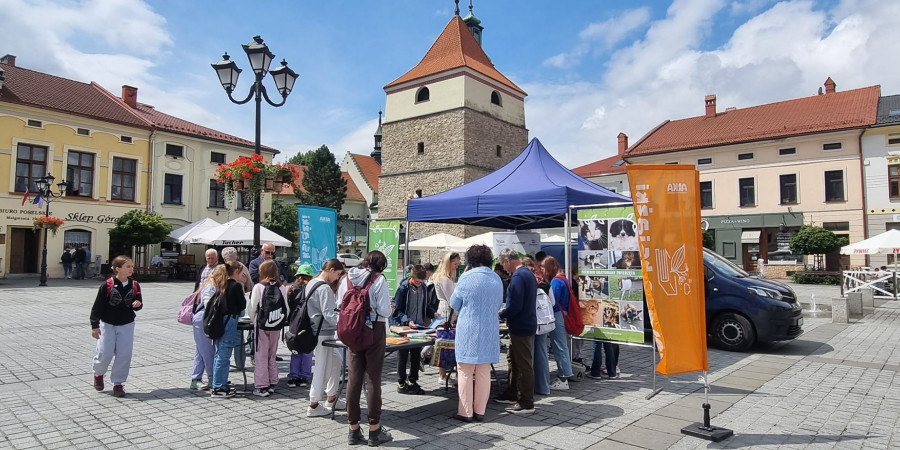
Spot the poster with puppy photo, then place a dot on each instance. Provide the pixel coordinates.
(610, 276)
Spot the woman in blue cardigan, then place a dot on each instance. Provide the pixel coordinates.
(477, 297)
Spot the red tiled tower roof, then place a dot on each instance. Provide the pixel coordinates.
(832, 111)
(455, 48)
(28, 87)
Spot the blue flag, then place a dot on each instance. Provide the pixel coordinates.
(38, 200)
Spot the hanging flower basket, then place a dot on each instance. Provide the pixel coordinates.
(246, 173)
(48, 222)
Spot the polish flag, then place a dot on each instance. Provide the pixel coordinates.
(25, 197)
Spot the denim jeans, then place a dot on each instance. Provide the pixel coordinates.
(541, 361)
(559, 342)
(612, 358)
(224, 346)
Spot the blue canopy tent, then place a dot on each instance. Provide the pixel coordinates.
(531, 191)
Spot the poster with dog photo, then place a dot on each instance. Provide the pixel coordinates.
(611, 288)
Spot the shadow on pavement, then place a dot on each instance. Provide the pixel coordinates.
(754, 440)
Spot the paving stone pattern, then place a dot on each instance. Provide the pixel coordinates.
(835, 387)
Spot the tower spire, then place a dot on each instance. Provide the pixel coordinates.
(474, 24)
(456, 12)
(376, 153)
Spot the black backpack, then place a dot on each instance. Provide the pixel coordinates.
(272, 313)
(213, 325)
(299, 336)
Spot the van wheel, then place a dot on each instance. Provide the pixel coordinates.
(733, 332)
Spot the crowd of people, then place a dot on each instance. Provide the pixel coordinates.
(475, 303)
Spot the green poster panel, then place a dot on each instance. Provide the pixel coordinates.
(384, 236)
(610, 279)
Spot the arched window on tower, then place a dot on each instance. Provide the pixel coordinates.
(423, 95)
(495, 98)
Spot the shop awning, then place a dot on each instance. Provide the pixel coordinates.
(750, 237)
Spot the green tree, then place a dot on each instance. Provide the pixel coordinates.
(810, 240)
(322, 181)
(300, 158)
(283, 220)
(139, 228)
(709, 241)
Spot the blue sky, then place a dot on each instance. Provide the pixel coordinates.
(592, 69)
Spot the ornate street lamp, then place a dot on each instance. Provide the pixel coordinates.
(45, 190)
(260, 58)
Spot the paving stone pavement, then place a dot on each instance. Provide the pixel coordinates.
(834, 387)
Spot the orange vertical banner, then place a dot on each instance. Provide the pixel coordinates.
(667, 210)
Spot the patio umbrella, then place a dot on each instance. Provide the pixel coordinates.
(238, 232)
(438, 242)
(184, 234)
(887, 243)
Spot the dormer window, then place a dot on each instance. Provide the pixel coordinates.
(423, 95)
(495, 98)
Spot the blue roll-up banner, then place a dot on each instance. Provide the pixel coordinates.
(318, 235)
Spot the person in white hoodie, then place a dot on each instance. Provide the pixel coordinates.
(323, 316)
(371, 361)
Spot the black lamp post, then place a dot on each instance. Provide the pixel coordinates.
(260, 59)
(45, 190)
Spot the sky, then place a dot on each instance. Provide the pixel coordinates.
(592, 69)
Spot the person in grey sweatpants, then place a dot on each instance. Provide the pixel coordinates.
(112, 324)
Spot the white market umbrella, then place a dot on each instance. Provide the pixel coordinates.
(238, 232)
(886, 243)
(481, 239)
(554, 238)
(184, 234)
(437, 242)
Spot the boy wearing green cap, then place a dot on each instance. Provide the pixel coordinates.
(301, 363)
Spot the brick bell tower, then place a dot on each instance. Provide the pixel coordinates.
(449, 120)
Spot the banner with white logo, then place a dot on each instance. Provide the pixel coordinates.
(667, 210)
(318, 235)
(384, 236)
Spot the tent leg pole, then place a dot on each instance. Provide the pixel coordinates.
(406, 247)
(655, 390)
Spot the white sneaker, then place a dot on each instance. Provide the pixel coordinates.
(261, 392)
(318, 411)
(559, 385)
(338, 405)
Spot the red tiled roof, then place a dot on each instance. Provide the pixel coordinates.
(602, 167)
(352, 191)
(454, 48)
(165, 122)
(41, 90)
(819, 113)
(369, 168)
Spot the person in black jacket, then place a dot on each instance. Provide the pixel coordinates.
(112, 324)
(235, 302)
(521, 319)
(413, 308)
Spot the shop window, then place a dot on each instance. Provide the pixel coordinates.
(836, 226)
(788, 185)
(706, 195)
(76, 238)
(747, 191)
(123, 179)
(216, 194)
(172, 189)
(31, 164)
(834, 185)
(80, 174)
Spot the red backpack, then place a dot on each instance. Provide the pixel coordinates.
(572, 318)
(354, 327)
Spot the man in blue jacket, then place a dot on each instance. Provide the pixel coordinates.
(521, 296)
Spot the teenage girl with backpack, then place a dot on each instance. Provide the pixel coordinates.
(323, 316)
(112, 324)
(301, 363)
(265, 368)
(234, 303)
(205, 353)
(370, 361)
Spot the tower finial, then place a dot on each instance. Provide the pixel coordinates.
(457, 7)
(470, 6)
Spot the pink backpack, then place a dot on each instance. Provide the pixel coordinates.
(186, 313)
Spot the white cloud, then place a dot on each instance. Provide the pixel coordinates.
(783, 52)
(600, 37)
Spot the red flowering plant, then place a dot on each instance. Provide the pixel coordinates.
(244, 173)
(53, 223)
